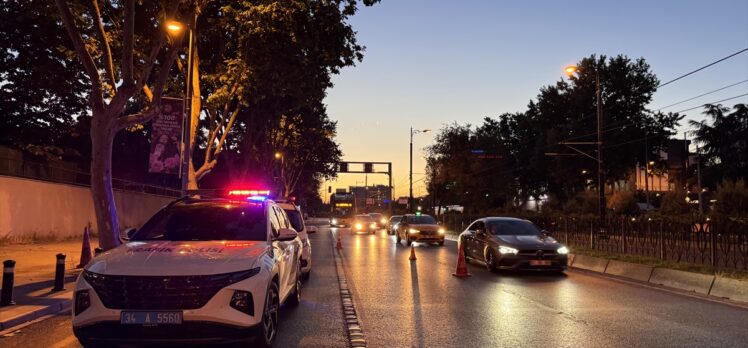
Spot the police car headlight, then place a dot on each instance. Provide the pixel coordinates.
(507, 250)
(82, 301)
(243, 302)
(563, 250)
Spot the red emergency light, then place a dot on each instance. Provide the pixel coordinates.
(248, 193)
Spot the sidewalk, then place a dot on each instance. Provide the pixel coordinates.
(34, 279)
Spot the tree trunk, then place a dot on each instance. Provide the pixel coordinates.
(195, 118)
(107, 221)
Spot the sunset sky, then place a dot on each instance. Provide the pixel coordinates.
(431, 63)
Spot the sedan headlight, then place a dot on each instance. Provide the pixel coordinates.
(334, 221)
(383, 221)
(441, 231)
(507, 250)
(359, 226)
(563, 250)
(412, 230)
(373, 225)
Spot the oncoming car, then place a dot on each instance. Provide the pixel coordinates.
(379, 219)
(509, 243)
(364, 223)
(419, 228)
(392, 224)
(199, 271)
(297, 223)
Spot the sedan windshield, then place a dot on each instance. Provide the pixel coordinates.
(512, 228)
(364, 218)
(420, 220)
(205, 221)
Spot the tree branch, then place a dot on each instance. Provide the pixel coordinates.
(97, 98)
(108, 63)
(127, 46)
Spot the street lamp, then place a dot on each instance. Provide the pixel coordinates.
(570, 71)
(410, 176)
(279, 156)
(175, 29)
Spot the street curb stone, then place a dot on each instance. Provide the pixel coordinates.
(590, 263)
(734, 289)
(699, 283)
(8, 324)
(629, 270)
(356, 337)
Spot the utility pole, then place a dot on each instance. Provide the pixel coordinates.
(646, 168)
(698, 178)
(600, 178)
(187, 122)
(410, 174)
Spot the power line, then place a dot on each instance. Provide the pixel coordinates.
(701, 95)
(702, 68)
(713, 103)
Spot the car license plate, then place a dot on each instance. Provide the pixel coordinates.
(151, 318)
(540, 263)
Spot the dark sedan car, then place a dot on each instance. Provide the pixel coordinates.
(509, 243)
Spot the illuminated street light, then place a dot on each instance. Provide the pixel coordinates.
(174, 28)
(570, 70)
(278, 155)
(410, 196)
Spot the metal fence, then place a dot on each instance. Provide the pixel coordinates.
(719, 242)
(67, 173)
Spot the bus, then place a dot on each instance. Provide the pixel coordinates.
(343, 206)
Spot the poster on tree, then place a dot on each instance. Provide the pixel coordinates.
(166, 137)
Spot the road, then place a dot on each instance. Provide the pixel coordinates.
(419, 304)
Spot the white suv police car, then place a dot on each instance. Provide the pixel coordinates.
(199, 271)
(297, 223)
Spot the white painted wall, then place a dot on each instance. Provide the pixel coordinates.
(32, 209)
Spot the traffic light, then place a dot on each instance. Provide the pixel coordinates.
(368, 167)
(343, 167)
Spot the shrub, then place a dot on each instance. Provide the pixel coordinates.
(674, 203)
(732, 199)
(624, 203)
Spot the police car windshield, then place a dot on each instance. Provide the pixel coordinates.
(295, 218)
(205, 221)
(511, 228)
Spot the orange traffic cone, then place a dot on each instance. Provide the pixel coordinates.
(86, 249)
(339, 245)
(461, 271)
(412, 253)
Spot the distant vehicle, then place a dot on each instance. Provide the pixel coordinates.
(295, 218)
(379, 219)
(419, 228)
(509, 243)
(201, 270)
(364, 223)
(343, 208)
(392, 224)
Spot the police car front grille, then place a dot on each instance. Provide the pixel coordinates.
(161, 292)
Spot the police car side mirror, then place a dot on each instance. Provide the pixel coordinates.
(286, 234)
(127, 234)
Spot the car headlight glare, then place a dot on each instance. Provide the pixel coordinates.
(334, 221)
(441, 231)
(373, 225)
(507, 250)
(412, 231)
(359, 226)
(383, 221)
(563, 250)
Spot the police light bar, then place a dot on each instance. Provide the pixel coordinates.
(248, 193)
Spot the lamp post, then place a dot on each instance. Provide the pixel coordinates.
(410, 175)
(570, 71)
(175, 29)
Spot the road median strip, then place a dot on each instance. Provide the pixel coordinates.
(706, 284)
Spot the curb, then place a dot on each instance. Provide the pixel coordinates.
(706, 284)
(356, 338)
(7, 324)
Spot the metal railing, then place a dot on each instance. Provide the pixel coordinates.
(721, 243)
(66, 173)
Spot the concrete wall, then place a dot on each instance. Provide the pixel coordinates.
(32, 209)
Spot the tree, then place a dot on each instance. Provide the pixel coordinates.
(115, 81)
(37, 111)
(723, 143)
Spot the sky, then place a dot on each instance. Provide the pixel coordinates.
(432, 63)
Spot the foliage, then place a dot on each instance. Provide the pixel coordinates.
(732, 199)
(583, 203)
(674, 203)
(724, 143)
(624, 202)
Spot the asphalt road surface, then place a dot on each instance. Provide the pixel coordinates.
(420, 304)
(317, 322)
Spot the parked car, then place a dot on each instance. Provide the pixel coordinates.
(294, 217)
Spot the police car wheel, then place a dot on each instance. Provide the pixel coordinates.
(269, 325)
(295, 298)
(307, 275)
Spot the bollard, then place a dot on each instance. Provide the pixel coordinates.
(60, 273)
(6, 295)
(98, 251)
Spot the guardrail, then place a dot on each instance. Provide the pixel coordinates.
(718, 242)
(59, 174)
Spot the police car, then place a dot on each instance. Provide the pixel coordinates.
(201, 270)
(296, 218)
